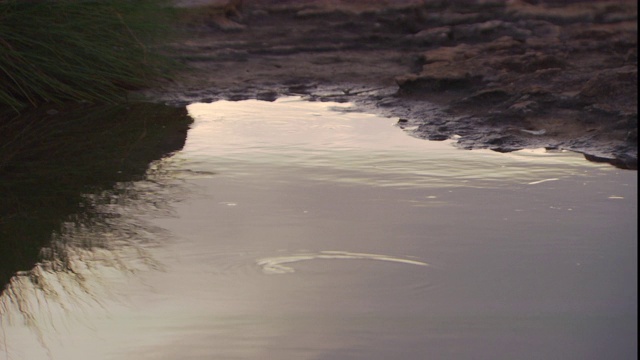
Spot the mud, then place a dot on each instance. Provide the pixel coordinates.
(503, 75)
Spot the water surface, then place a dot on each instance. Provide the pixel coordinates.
(298, 230)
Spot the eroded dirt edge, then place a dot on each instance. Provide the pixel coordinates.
(504, 75)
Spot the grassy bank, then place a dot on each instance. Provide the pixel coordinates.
(66, 50)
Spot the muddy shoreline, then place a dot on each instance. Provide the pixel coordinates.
(504, 75)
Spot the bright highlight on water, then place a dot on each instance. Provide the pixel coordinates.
(275, 265)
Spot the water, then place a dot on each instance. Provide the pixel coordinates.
(297, 230)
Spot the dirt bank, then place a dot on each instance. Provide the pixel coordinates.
(504, 75)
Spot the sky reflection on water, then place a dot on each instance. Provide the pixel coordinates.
(384, 246)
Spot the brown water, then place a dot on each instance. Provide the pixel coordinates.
(297, 230)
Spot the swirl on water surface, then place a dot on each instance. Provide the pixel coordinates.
(276, 265)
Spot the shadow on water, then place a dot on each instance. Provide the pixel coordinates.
(58, 170)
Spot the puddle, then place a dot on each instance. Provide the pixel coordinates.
(304, 230)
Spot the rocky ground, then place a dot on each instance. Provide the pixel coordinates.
(495, 74)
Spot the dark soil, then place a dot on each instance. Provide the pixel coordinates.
(503, 75)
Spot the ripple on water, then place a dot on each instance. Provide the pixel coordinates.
(279, 264)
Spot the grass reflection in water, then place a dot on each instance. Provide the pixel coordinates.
(62, 175)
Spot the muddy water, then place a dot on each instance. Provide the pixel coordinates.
(297, 230)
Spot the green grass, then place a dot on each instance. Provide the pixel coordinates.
(79, 50)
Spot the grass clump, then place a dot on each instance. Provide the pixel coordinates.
(79, 50)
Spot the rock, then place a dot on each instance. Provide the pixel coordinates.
(437, 137)
(610, 84)
(524, 107)
(437, 35)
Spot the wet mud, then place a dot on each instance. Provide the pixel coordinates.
(504, 75)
